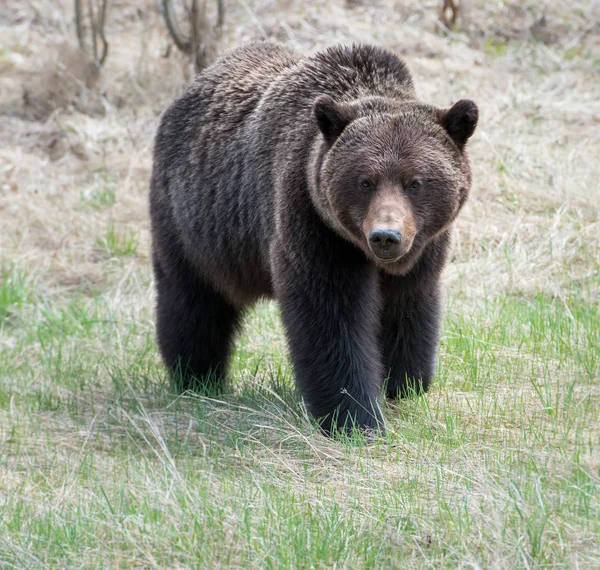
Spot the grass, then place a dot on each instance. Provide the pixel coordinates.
(100, 198)
(497, 466)
(14, 291)
(118, 241)
(101, 466)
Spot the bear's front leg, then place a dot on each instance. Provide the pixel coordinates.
(330, 310)
(409, 335)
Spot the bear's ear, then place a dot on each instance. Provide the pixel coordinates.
(460, 121)
(332, 117)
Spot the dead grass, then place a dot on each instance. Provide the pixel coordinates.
(535, 156)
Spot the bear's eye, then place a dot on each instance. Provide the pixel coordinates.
(413, 186)
(366, 184)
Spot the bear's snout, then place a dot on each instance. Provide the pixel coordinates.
(389, 226)
(385, 243)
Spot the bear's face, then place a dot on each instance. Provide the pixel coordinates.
(392, 181)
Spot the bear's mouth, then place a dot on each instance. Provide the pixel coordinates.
(388, 247)
(403, 263)
(389, 260)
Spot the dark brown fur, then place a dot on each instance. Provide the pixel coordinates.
(269, 175)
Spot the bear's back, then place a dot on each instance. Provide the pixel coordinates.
(218, 101)
(232, 87)
(351, 72)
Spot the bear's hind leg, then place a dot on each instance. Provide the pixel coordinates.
(195, 327)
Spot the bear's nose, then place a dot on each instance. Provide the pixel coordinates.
(385, 243)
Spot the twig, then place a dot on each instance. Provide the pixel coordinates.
(101, 33)
(94, 30)
(182, 44)
(194, 36)
(79, 24)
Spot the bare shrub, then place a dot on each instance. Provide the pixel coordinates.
(195, 28)
(95, 29)
(65, 77)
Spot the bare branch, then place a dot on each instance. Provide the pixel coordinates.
(220, 14)
(194, 36)
(202, 32)
(182, 43)
(101, 23)
(79, 24)
(96, 28)
(93, 28)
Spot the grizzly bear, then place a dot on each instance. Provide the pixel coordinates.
(320, 181)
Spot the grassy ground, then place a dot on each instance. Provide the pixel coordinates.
(100, 466)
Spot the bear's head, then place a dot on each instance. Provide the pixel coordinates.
(390, 176)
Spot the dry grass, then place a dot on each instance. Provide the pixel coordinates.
(535, 156)
(493, 469)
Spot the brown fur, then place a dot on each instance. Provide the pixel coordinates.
(389, 208)
(270, 175)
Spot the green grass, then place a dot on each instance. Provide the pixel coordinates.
(118, 241)
(98, 198)
(14, 292)
(100, 466)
